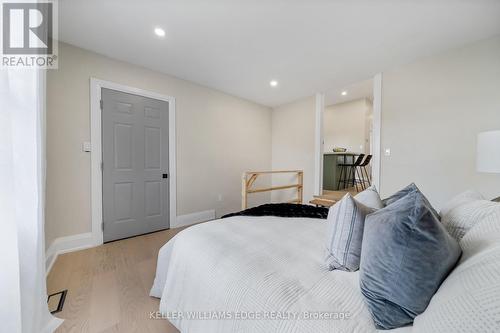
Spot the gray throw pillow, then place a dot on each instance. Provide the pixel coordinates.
(345, 222)
(406, 254)
(399, 194)
(402, 193)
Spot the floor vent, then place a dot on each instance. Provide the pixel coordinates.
(56, 301)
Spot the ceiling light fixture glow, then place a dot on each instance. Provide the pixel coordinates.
(273, 83)
(160, 32)
(344, 93)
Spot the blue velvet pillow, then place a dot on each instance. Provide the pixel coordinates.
(399, 194)
(405, 256)
(402, 193)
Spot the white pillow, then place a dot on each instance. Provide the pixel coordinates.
(469, 298)
(460, 199)
(467, 301)
(370, 198)
(485, 233)
(459, 220)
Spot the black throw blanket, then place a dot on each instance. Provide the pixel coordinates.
(284, 210)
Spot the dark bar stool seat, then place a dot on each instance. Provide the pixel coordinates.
(348, 172)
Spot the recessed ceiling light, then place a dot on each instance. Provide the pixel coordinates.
(273, 83)
(160, 32)
(344, 93)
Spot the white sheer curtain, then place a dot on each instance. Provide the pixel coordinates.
(22, 163)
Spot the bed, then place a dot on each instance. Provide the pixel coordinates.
(271, 268)
(267, 273)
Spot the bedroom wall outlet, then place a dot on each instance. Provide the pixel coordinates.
(387, 152)
(86, 146)
(219, 197)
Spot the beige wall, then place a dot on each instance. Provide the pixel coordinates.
(431, 113)
(293, 127)
(218, 137)
(346, 125)
(432, 110)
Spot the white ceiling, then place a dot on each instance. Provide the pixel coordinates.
(363, 89)
(238, 46)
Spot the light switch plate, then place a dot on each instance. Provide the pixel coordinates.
(387, 152)
(86, 146)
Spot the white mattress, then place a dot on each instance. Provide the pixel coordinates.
(257, 266)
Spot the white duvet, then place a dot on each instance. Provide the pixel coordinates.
(257, 274)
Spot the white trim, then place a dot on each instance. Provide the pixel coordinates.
(318, 144)
(86, 240)
(193, 218)
(377, 129)
(66, 244)
(42, 105)
(46, 322)
(96, 154)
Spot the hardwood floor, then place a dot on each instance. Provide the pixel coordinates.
(108, 286)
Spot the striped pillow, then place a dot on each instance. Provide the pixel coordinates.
(346, 221)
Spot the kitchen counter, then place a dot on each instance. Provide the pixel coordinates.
(348, 153)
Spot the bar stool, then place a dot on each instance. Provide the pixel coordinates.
(349, 170)
(362, 167)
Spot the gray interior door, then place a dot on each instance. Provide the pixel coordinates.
(135, 183)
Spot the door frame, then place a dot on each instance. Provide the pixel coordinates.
(96, 86)
(377, 131)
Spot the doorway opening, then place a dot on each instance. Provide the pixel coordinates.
(348, 138)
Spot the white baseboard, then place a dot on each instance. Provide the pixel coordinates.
(193, 218)
(84, 241)
(66, 244)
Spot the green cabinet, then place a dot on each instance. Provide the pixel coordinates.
(331, 170)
